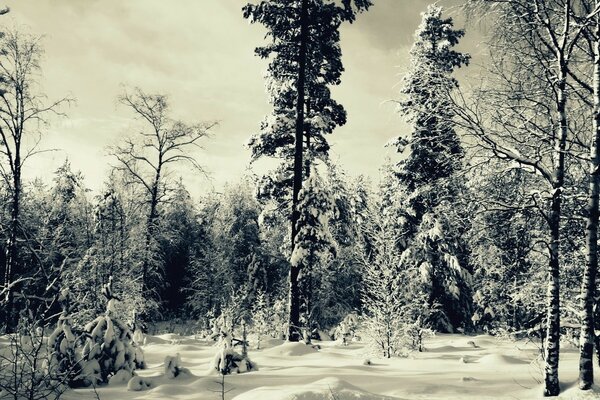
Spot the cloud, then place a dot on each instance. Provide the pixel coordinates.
(200, 52)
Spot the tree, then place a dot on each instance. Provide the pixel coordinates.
(22, 110)
(109, 349)
(146, 160)
(63, 233)
(382, 294)
(179, 227)
(526, 119)
(591, 20)
(109, 253)
(305, 61)
(504, 249)
(429, 172)
(314, 250)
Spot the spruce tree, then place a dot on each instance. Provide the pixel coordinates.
(428, 172)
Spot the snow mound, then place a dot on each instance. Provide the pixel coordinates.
(120, 378)
(291, 349)
(138, 383)
(323, 389)
(268, 342)
(573, 393)
(155, 340)
(500, 359)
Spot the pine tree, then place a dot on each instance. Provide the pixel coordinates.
(305, 60)
(428, 173)
(63, 233)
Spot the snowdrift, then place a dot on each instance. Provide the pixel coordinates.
(323, 389)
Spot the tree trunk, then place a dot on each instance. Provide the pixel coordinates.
(551, 382)
(294, 333)
(307, 134)
(12, 316)
(586, 365)
(150, 231)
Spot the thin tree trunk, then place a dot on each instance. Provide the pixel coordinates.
(307, 133)
(294, 333)
(12, 318)
(588, 289)
(150, 231)
(551, 382)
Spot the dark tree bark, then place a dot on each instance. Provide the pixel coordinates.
(20, 107)
(294, 333)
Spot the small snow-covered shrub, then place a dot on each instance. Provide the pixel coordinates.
(64, 355)
(415, 334)
(261, 317)
(23, 367)
(173, 367)
(109, 346)
(279, 321)
(346, 330)
(231, 315)
(227, 360)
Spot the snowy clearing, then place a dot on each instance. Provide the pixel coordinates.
(453, 367)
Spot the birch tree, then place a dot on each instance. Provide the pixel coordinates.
(147, 159)
(532, 54)
(588, 17)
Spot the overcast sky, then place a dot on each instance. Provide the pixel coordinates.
(200, 53)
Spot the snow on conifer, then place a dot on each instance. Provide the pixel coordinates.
(173, 367)
(227, 360)
(314, 249)
(429, 175)
(64, 361)
(382, 292)
(109, 347)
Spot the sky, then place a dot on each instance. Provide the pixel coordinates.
(201, 54)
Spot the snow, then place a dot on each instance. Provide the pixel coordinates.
(336, 387)
(453, 366)
(290, 349)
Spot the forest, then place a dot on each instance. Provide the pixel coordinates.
(466, 269)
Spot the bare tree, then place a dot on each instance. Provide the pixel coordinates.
(23, 111)
(146, 158)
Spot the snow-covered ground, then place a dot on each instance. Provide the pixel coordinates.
(453, 367)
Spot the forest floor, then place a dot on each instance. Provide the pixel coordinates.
(452, 367)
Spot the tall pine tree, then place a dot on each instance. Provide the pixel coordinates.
(305, 60)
